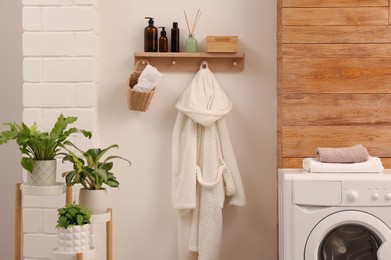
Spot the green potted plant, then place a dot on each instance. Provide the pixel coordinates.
(73, 228)
(92, 170)
(39, 149)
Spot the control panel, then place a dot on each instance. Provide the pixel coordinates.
(366, 193)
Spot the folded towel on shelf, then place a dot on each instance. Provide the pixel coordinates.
(354, 154)
(372, 165)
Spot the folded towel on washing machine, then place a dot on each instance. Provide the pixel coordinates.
(372, 165)
(353, 154)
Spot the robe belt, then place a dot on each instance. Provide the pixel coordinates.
(222, 173)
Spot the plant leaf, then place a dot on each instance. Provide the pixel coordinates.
(27, 164)
(79, 219)
(105, 150)
(109, 158)
(112, 183)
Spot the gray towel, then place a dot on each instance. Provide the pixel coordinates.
(353, 154)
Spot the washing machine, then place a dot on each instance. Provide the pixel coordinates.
(334, 216)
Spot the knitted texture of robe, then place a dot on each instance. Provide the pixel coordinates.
(204, 168)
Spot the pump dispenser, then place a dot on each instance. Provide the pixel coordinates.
(163, 41)
(150, 36)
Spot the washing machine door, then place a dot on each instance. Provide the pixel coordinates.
(349, 235)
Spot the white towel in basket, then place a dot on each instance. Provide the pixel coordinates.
(148, 79)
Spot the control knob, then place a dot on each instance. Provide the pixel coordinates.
(388, 196)
(353, 195)
(375, 196)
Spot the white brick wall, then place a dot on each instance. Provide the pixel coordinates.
(69, 70)
(47, 44)
(49, 221)
(31, 19)
(39, 245)
(86, 44)
(60, 72)
(32, 221)
(48, 95)
(80, 18)
(32, 69)
(47, 2)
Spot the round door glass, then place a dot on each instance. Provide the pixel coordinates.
(349, 242)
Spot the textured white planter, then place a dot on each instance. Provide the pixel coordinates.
(94, 200)
(44, 173)
(74, 239)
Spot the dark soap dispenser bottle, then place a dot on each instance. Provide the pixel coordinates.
(150, 36)
(163, 41)
(175, 37)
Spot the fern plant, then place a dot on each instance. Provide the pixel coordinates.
(37, 145)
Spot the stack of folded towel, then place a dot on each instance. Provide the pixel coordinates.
(345, 159)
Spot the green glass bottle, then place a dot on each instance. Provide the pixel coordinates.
(191, 44)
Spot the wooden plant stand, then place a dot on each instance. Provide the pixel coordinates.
(108, 217)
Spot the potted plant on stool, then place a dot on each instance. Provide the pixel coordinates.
(92, 171)
(73, 228)
(40, 148)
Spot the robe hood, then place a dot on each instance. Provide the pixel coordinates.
(203, 100)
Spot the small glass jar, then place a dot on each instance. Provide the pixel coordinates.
(191, 44)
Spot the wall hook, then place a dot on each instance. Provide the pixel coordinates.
(204, 64)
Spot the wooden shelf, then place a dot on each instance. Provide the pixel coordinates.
(188, 61)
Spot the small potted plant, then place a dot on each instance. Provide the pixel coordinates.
(92, 171)
(73, 228)
(39, 149)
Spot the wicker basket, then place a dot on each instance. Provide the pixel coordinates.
(138, 101)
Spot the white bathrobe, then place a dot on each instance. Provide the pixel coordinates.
(204, 167)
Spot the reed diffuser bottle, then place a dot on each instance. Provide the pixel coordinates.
(191, 43)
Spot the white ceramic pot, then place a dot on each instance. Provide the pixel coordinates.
(94, 200)
(74, 239)
(44, 173)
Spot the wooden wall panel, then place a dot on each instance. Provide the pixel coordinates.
(380, 50)
(333, 3)
(335, 16)
(336, 34)
(336, 75)
(336, 109)
(302, 141)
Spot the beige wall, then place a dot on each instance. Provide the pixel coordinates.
(144, 222)
(10, 110)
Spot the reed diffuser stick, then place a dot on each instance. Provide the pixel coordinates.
(196, 20)
(187, 21)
